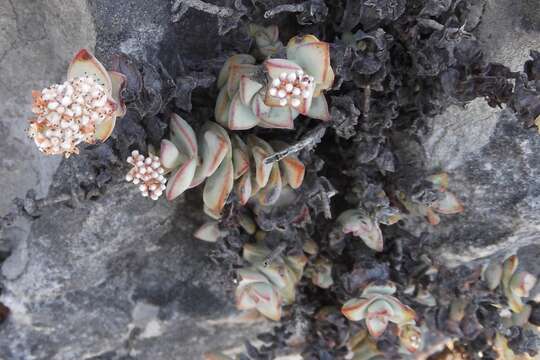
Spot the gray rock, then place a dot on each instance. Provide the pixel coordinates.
(36, 43)
(491, 158)
(116, 277)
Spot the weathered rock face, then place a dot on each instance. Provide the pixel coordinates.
(491, 158)
(115, 277)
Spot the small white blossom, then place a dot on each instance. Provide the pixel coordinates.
(291, 88)
(148, 173)
(67, 114)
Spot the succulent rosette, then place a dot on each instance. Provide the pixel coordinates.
(515, 284)
(82, 109)
(274, 94)
(378, 307)
(221, 160)
(267, 285)
(447, 204)
(358, 223)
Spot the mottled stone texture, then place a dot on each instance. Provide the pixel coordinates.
(492, 159)
(116, 277)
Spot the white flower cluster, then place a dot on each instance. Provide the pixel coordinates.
(291, 87)
(67, 114)
(147, 172)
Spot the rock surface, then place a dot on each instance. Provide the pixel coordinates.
(491, 158)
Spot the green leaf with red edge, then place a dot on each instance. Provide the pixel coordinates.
(181, 179)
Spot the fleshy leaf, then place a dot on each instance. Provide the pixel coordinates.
(322, 276)
(263, 170)
(509, 267)
(492, 274)
(183, 136)
(118, 84)
(235, 59)
(248, 89)
(278, 118)
(522, 283)
(105, 128)
(236, 72)
(209, 231)
(240, 155)
(221, 111)
(376, 326)
(169, 155)
(319, 109)
(355, 309)
(254, 253)
(243, 188)
(85, 64)
(240, 117)
(375, 289)
(215, 145)
(410, 337)
(218, 187)
(448, 205)
(247, 223)
(267, 300)
(251, 275)
(180, 180)
(258, 106)
(402, 313)
(314, 58)
(270, 193)
(361, 225)
(275, 67)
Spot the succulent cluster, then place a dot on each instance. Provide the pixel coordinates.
(445, 202)
(221, 160)
(273, 94)
(82, 109)
(515, 285)
(270, 282)
(378, 308)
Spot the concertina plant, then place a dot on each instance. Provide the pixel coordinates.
(275, 92)
(221, 160)
(81, 110)
(377, 307)
(270, 282)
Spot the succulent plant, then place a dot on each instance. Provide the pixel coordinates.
(515, 284)
(148, 173)
(358, 223)
(320, 273)
(447, 204)
(270, 282)
(221, 160)
(378, 307)
(273, 94)
(266, 38)
(363, 347)
(82, 109)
